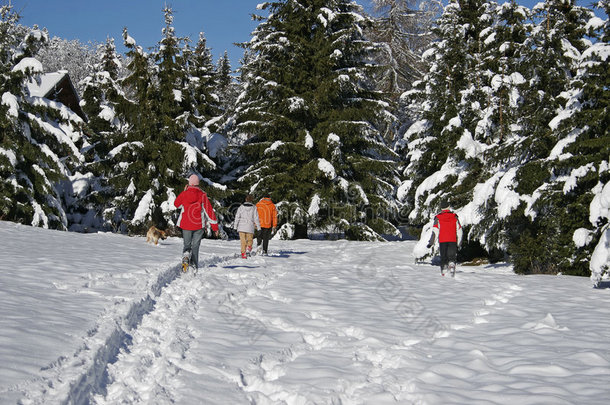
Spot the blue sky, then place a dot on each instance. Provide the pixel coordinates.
(222, 21)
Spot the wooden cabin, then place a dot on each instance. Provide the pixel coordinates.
(57, 86)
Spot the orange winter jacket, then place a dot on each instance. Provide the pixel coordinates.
(267, 213)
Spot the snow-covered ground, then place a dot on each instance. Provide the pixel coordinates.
(106, 319)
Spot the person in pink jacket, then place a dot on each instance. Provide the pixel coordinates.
(196, 210)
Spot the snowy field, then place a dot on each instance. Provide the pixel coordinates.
(107, 319)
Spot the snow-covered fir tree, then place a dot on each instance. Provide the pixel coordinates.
(175, 98)
(548, 215)
(102, 101)
(42, 141)
(161, 145)
(578, 162)
(204, 86)
(226, 86)
(487, 135)
(447, 105)
(101, 91)
(495, 147)
(309, 117)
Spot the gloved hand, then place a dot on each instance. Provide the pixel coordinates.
(429, 245)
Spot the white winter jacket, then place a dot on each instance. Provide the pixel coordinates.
(246, 218)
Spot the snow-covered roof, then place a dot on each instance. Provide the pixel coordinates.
(56, 86)
(44, 84)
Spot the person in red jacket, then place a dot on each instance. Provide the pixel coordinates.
(267, 213)
(448, 230)
(194, 205)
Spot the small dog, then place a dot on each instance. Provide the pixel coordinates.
(154, 234)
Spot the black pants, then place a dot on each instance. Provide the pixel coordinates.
(448, 252)
(264, 235)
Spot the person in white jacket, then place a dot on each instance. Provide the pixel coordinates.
(246, 220)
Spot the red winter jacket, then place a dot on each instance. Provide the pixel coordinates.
(447, 227)
(194, 202)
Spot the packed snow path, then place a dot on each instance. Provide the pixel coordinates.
(337, 322)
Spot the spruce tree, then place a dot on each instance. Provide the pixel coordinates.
(578, 162)
(41, 141)
(103, 100)
(228, 88)
(447, 106)
(204, 87)
(554, 210)
(102, 93)
(128, 158)
(498, 134)
(309, 116)
(174, 98)
(154, 155)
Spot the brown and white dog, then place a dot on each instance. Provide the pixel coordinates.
(154, 234)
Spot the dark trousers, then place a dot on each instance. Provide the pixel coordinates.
(191, 241)
(264, 235)
(448, 251)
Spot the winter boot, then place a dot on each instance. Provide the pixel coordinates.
(249, 251)
(452, 268)
(186, 258)
(243, 256)
(443, 270)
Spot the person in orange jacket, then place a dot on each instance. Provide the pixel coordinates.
(267, 214)
(194, 203)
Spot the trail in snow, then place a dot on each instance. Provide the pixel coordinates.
(336, 322)
(240, 332)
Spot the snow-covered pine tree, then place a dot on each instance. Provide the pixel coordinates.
(226, 86)
(595, 118)
(102, 101)
(447, 105)
(204, 109)
(308, 116)
(578, 162)
(42, 140)
(102, 93)
(129, 179)
(204, 86)
(175, 97)
(551, 210)
(160, 146)
(495, 148)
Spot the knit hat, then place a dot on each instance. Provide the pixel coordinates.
(193, 180)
